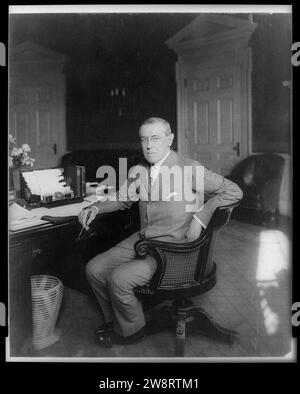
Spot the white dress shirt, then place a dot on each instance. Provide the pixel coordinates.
(155, 168)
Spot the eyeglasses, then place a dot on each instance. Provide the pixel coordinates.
(145, 140)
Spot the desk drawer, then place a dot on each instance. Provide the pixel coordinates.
(44, 244)
(19, 296)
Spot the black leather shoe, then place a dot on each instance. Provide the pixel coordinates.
(108, 337)
(104, 338)
(134, 338)
(103, 328)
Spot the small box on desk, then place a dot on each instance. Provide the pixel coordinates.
(75, 178)
(50, 187)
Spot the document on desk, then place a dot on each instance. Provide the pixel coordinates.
(44, 182)
(20, 218)
(67, 210)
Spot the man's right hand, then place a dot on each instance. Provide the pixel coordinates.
(85, 218)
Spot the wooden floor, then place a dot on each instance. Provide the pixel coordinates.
(252, 296)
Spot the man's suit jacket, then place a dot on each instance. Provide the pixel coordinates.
(167, 207)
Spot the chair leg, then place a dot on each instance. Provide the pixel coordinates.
(204, 324)
(180, 334)
(161, 320)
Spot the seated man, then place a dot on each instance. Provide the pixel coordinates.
(165, 214)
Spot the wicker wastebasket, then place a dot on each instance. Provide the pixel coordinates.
(46, 293)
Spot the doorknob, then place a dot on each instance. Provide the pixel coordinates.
(55, 149)
(236, 147)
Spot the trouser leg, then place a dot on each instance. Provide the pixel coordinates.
(127, 309)
(112, 276)
(98, 271)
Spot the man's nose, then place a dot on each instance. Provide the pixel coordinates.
(149, 143)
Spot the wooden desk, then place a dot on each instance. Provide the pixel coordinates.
(52, 249)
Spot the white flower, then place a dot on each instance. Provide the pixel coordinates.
(28, 161)
(16, 152)
(19, 156)
(10, 162)
(11, 139)
(26, 148)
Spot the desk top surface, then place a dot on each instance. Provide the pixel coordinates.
(23, 220)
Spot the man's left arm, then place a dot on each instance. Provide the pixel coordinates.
(220, 192)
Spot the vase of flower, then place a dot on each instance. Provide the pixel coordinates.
(19, 160)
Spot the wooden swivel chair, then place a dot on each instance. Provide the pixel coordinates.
(181, 274)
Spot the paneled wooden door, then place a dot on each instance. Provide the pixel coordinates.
(33, 120)
(213, 116)
(37, 102)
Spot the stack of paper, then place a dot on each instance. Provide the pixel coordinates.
(66, 210)
(20, 218)
(45, 182)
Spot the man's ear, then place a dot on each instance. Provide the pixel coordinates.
(171, 138)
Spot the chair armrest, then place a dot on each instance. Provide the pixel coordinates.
(146, 246)
(158, 250)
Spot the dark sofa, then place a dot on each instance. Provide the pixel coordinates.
(260, 177)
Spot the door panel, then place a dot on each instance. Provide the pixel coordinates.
(201, 122)
(45, 138)
(225, 122)
(21, 124)
(214, 118)
(33, 120)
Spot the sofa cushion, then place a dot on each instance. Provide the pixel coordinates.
(260, 177)
(259, 168)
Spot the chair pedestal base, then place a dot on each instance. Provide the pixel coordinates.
(186, 320)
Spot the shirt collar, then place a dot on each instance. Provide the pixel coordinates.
(159, 163)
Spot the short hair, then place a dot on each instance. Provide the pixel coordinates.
(154, 120)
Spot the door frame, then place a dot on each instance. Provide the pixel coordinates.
(208, 39)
